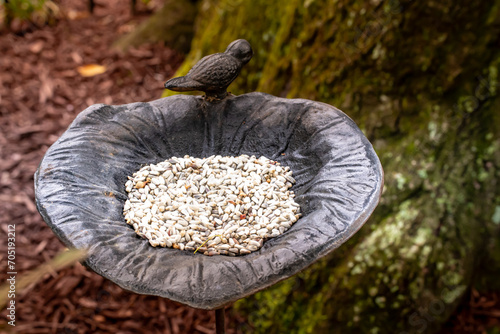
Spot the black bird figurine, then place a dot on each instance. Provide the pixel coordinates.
(214, 73)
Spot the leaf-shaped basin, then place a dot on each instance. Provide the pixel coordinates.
(80, 188)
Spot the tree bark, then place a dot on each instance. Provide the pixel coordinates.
(420, 78)
(8, 17)
(173, 24)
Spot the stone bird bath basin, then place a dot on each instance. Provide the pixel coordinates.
(80, 189)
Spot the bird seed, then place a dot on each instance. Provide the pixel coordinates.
(217, 205)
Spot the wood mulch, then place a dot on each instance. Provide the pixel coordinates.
(41, 91)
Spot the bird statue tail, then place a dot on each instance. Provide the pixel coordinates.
(181, 84)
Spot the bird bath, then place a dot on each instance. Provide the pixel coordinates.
(80, 189)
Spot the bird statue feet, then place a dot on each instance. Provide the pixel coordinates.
(212, 98)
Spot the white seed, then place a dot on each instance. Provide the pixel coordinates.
(254, 243)
(228, 204)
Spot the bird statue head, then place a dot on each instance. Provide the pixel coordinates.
(241, 50)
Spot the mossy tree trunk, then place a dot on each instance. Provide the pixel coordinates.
(173, 24)
(420, 78)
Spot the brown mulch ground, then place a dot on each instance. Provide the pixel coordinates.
(41, 92)
(479, 313)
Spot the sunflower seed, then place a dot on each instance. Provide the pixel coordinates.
(218, 205)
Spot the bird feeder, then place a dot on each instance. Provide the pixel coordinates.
(80, 189)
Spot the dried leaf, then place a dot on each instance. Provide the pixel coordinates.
(77, 15)
(36, 47)
(91, 70)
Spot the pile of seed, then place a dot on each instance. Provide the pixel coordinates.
(217, 205)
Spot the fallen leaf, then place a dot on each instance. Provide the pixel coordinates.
(91, 70)
(99, 318)
(36, 47)
(77, 15)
